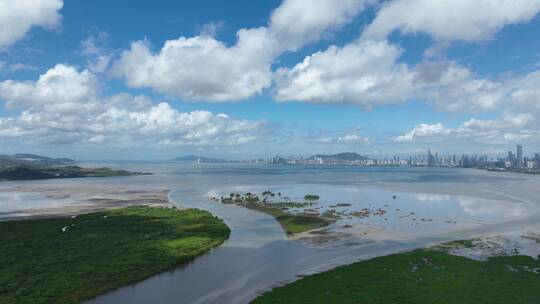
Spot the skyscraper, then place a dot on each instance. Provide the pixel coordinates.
(430, 159)
(519, 161)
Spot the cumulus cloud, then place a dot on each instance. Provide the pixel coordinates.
(368, 71)
(65, 106)
(201, 67)
(451, 20)
(204, 68)
(524, 92)
(505, 130)
(364, 72)
(61, 89)
(297, 22)
(423, 130)
(17, 17)
(451, 87)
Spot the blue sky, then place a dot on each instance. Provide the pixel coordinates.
(151, 79)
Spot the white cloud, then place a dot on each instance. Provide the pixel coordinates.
(326, 140)
(64, 106)
(345, 139)
(15, 67)
(297, 22)
(353, 139)
(423, 130)
(364, 72)
(211, 28)
(368, 72)
(17, 17)
(203, 68)
(61, 89)
(524, 92)
(99, 57)
(506, 130)
(451, 20)
(451, 87)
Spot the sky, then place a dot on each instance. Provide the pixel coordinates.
(111, 80)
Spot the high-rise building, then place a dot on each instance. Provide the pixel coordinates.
(519, 160)
(430, 159)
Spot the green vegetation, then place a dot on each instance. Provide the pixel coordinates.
(68, 260)
(340, 205)
(269, 193)
(311, 197)
(31, 167)
(291, 223)
(48, 172)
(422, 276)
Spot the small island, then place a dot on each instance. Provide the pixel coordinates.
(72, 259)
(292, 223)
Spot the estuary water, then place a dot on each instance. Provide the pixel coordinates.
(378, 211)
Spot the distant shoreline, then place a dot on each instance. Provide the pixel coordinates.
(22, 173)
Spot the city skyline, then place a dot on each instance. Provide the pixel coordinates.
(513, 160)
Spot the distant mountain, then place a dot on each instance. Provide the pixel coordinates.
(346, 156)
(201, 159)
(32, 160)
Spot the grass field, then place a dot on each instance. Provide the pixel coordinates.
(423, 276)
(64, 260)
